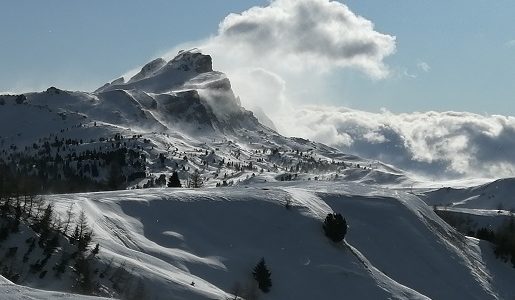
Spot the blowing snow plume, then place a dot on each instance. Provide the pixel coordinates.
(297, 42)
(280, 56)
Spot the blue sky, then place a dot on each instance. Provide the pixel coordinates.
(465, 43)
(464, 47)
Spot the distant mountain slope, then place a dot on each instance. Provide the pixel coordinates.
(180, 116)
(496, 195)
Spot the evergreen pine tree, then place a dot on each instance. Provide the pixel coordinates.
(335, 227)
(17, 218)
(83, 283)
(195, 180)
(161, 181)
(84, 232)
(43, 226)
(96, 249)
(262, 276)
(174, 181)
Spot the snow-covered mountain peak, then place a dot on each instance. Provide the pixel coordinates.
(183, 90)
(149, 69)
(159, 76)
(192, 60)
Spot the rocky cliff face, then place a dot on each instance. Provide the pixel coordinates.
(182, 93)
(159, 76)
(149, 69)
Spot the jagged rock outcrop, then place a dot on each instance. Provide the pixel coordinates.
(184, 93)
(149, 69)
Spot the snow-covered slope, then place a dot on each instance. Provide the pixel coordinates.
(396, 246)
(496, 195)
(182, 116)
(488, 205)
(182, 108)
(159, 76)
(185, 91)
(11, 291)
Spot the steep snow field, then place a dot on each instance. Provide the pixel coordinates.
(198, 244)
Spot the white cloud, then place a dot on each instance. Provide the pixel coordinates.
(423, 66)
(443, 144)
(293, 36)
(407, 74)
(281, 55)
(271, 53)
(510, 43)
(306, 33)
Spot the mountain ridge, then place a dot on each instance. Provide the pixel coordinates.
(185, 98)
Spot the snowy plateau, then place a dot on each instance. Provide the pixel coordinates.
(247, 193)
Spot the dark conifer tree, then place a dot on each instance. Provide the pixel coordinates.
(195, 180)
(263, 276)
(335, 227)
(162, 158)
(161, 181)
(17, 218)
(84, 232)
(43, 226)
(96, 249)
(174, 181)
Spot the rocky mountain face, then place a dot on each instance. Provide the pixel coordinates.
(186, 89)
(184, 94)
(179, 116)
(159, 76)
